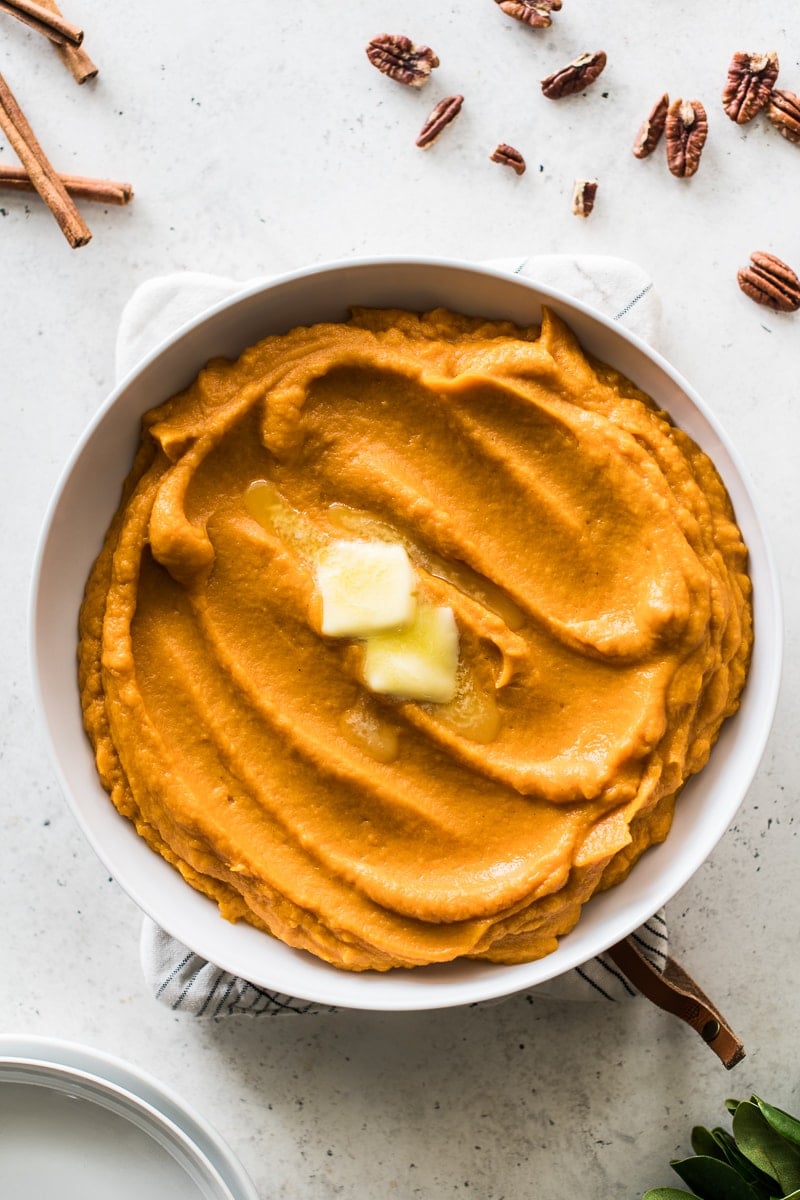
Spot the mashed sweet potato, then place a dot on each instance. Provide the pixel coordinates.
(587, 548)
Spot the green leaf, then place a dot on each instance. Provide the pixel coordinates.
(718, 1143)
(705, 1142)
(760, 1159)
(713, 1180)
(668, 1193)
(782, 1122)
(770, 1152)
(763, 1185)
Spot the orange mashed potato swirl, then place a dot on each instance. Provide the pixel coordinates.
(587, 549)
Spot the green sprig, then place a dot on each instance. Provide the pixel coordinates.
(758, 1160)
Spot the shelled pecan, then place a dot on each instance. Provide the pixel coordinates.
(575, 77)
(508, 156)
(686, 131)
(398, 57)
(783, 109)
(444, 112)
(535, 13)
(651, 129)
(583, 197)
(770, 282)
(751, 78)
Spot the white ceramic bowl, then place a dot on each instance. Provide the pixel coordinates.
(87, 497)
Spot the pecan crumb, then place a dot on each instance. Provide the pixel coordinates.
(445, 111)
(751, 78)
(770, 282)
(509, 157)
(686, 131)
(651, 129)
(575, 77)
(583, 197)
(398, 57)
(535, 13)
(783, 109)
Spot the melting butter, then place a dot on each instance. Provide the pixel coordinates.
(458, 575)
(273, 511)
(473, 712)
(479, 588)
(364, 729)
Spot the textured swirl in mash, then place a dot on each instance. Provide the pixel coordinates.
(587, 549)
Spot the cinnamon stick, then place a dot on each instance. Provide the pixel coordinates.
(80, 187)
(44, 20)
(42, 174)
(75, 58)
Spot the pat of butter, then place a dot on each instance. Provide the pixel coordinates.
(416, 663)
(366, 587)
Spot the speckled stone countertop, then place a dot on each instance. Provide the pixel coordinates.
(260, 139)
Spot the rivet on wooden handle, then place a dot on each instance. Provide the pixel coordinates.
(676, 992)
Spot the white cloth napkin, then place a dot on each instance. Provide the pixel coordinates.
(175, 975)
(618, 288)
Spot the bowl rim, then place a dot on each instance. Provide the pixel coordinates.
(133, 1094)
(443, 994)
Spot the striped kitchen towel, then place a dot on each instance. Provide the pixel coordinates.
(175, 975)
(186, 982)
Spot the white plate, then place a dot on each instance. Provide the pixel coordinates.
(87, 497)
(80, 1125)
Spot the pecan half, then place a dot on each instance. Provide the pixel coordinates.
(575, 77)
(770, 282)
(445, 111)
(783, 109)
(651, 129)
(398, 57)
(583, 197)
(509, 157)
(535, 13)
(750, 80)
(686, 131)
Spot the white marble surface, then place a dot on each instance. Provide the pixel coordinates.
(260, 139)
